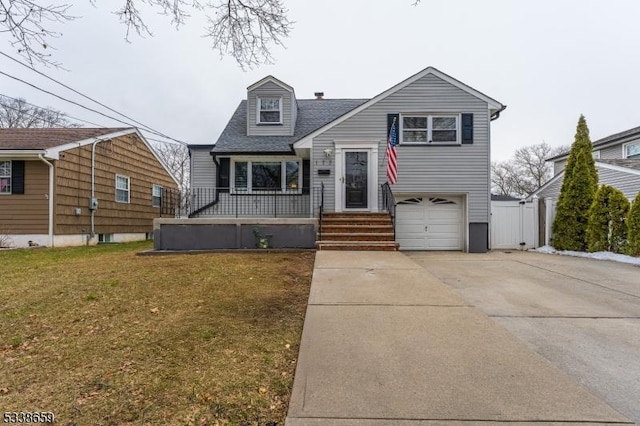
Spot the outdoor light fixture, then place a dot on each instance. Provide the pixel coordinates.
(328, 152)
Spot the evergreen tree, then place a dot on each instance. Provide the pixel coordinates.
(633, 228)
(576, 195)
(607, 227)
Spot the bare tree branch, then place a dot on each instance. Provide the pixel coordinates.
(17, 113)
(246, 30)
(26, 24)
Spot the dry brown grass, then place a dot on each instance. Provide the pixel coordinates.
(100, 336)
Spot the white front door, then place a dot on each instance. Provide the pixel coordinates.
(356, 176)
(430, 222)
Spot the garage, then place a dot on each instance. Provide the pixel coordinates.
(430, 222)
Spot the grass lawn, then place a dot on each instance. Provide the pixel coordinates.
(100, 336)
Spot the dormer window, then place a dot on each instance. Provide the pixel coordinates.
(269, 110)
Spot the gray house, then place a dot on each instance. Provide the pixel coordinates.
(617, 161)
(280, 156)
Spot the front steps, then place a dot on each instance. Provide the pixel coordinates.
(357, 231)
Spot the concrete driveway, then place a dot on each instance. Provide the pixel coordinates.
(582, 315)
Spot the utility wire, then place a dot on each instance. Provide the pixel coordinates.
(85, 96)
(43, 108)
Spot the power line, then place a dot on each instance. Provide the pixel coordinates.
(85, 96)
(43, 108)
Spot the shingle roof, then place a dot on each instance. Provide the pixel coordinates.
(49, 137)
(629, 163)
(312, 114)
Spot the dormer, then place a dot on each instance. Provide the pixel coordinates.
(271, 108)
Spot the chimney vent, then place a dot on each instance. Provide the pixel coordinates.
(319, 95)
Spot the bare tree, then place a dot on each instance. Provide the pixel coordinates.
(176, 157)
(18, 113)
(527, 171)
(244, 29)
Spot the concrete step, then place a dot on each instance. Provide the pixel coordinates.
(358, 236)
(357, 245)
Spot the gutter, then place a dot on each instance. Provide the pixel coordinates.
(217, 197)
(496, 114)
(50, 196)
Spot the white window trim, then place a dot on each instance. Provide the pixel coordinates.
(128, 189)
(9, 177)
(258, 109)
(250, 160)
(429, 117)
(596, 155)
(624, 148)
(154, 196)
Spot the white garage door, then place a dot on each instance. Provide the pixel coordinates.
(429, 223)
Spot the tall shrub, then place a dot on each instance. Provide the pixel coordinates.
(598, 226)
(607, 227)
(633, 228)
(576, 195)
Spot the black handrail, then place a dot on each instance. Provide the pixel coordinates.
(321, 210)
(389, 204)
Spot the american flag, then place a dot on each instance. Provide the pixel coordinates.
(392, 156)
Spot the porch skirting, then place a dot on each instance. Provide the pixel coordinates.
(234, 233)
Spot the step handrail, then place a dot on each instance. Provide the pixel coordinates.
(389, 204)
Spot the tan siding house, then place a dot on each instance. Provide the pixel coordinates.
(117, 168)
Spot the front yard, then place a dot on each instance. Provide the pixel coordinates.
(100, 336)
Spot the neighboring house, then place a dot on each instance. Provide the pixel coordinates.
(61, 187)
(283, 156)
(617, 160)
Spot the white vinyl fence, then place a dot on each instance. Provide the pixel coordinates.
(514, 225)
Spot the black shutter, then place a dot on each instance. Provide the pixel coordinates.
(467, 128)
(306, 173)
(17, 177)
(223, 183)
(390, 118)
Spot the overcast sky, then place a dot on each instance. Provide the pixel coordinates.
(548, 61)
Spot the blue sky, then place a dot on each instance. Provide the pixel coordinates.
(549, 61)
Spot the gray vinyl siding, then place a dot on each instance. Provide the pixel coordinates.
(559, 166)
(628, 183)
(460, 169)
(553, 190)
(270, 89)
(612, 152)
(203, 169)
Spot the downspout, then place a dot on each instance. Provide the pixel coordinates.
(93, 203)
(51, 186)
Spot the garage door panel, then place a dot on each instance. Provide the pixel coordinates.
(430, 223)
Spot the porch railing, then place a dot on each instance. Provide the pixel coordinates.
(264, 203)
(321, 210)
(389, 204)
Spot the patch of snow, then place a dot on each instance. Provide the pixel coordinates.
(600, 255)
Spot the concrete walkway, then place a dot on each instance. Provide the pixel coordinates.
(386, 343)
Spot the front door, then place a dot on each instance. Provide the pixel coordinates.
(356, 170)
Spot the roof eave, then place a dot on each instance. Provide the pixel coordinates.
(22, 154)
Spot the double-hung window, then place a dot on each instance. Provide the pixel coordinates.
(269, 111)
(156, 196)
(632, 150)
(431, 129)
(122, 189)
(5, 177)
(255, 176)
